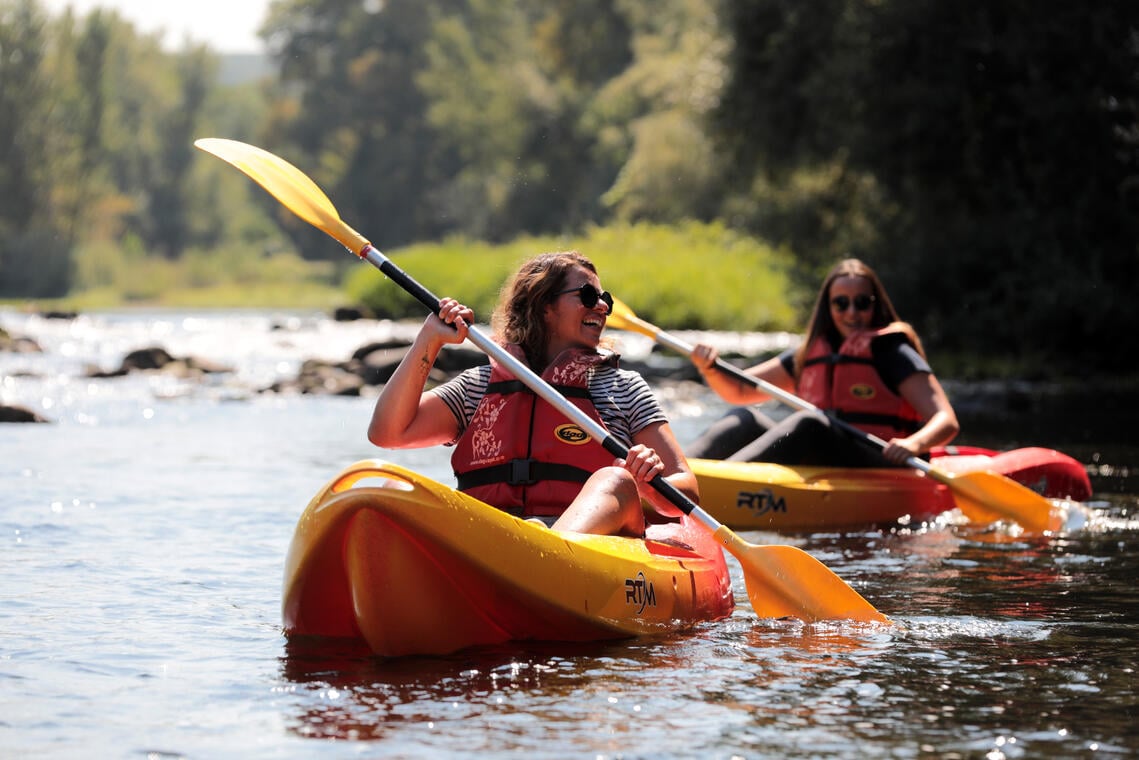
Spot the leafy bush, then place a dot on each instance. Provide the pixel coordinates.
(688, 276)
(471, 271)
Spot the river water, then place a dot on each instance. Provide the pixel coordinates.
(145, 532)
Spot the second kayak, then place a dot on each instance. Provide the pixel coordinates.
(765, 496)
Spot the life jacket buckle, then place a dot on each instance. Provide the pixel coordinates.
(521, 472)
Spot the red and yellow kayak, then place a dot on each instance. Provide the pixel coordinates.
(411, 566)
(764, 496)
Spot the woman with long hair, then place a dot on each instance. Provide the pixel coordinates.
(859, 362)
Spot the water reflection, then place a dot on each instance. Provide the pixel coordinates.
(608, 692)
(340, 691)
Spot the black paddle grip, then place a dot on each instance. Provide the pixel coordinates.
(405, 281)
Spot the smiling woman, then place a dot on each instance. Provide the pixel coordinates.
(223, 25)
(511, 450)
(859, 363)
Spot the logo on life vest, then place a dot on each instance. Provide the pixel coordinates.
(571, 434)
(862, 391)
(640, 592)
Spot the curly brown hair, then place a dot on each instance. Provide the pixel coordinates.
(519, 316)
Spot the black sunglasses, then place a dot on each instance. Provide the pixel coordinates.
(589, 295)
(861, 302)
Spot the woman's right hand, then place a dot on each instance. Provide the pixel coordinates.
(404, 416)
(452, 323)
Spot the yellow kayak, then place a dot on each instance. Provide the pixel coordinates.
(411, 566)
(765, 496)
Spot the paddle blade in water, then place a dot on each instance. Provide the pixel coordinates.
(287, 184)
(785, 581)
(986, 497)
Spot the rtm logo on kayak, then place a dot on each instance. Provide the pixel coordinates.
(571, 434)
(761, 502)
(640, 592)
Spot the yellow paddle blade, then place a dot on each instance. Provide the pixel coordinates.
(785, 581)
(985, 497)
(289, 185)
(621, 317)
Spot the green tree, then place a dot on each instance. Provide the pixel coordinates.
(75, 71)
(483, 88)
(96, 157)
(351, 113)
(508, 84)
(650, 118)
(170, 203)
(1023, 174)
(988, 151)
(498, 119)
(34, 253)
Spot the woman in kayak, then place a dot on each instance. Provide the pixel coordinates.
(858, 362)
(513, 449)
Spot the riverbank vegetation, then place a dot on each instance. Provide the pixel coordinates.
(716, 279)
(983, 158)
(230, 277)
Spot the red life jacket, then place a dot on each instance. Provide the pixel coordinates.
(848, 384)
(520, 453)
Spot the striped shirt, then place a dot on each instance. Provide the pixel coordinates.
(624, 401)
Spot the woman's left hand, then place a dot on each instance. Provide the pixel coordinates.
(643, 462)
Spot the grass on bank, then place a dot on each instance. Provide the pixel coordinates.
(688, 276)
(114, 277)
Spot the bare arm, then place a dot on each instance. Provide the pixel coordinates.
(735, 390)
(404, 416)
(925, 394)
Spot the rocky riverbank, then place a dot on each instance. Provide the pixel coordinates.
(362, 372)
(362, 368)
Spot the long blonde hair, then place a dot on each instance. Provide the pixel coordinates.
(822, 324)
(519, 316)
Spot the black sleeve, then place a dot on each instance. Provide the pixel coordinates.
(787, 359)
(895, 359)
